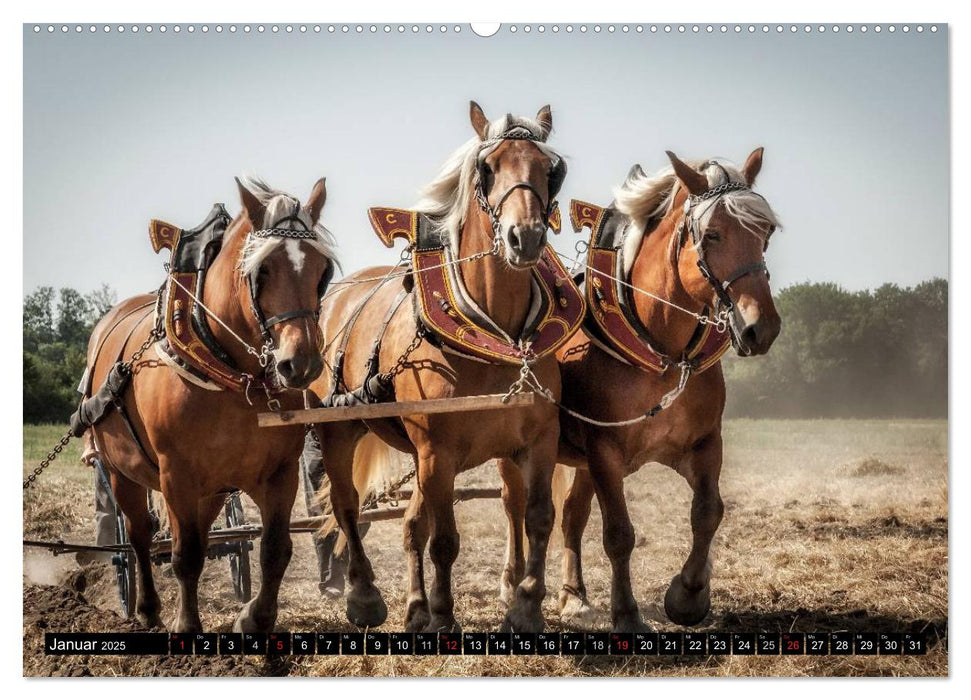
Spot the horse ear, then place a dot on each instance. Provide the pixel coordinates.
(753, 165)
(254, 209)
(635, 172)
(545, 118)
(694, 182)
(478, 119)
(317, 198)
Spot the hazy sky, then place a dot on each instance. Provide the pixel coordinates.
(119, 129)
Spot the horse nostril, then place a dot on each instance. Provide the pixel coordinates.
(285, 368)
(514, 240)
(750, 336)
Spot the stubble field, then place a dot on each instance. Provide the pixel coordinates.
(829, 525)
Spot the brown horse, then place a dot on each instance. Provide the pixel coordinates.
(514, 175)
(195, 442)
(730, 226)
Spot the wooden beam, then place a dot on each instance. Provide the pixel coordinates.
(488, 402)
(314, 523)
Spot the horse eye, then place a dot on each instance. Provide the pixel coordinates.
(713, 235)
(262, 273)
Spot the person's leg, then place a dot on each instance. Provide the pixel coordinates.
(105, 523)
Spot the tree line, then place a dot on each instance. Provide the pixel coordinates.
(879, 353)
(873, 354)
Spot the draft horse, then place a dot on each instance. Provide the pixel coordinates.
(182, 429)
(490, 207)
(691, 240)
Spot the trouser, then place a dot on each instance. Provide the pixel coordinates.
(332, 567)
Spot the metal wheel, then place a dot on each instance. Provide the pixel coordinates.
(124, 562)
(239, 564)
(124, 568)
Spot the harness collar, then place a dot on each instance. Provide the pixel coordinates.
(188, 340)
(611, 320)
(443, 308)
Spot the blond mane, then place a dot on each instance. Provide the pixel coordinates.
(278, 205)
(445, 199)
(647, 199)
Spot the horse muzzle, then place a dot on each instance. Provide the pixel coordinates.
(525, 245)
(298, 370)
(753, 336)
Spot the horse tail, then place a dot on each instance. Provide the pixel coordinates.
(374, 468)
(562, 481)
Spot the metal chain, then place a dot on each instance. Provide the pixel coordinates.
(528, 381)
(399, 366)
(155, 334)
(390, 494)
(284, 233)
(51, 456)
(717, 191)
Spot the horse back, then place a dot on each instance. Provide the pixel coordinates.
(111, 334)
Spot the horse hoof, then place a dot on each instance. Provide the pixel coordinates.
(366, 609)
(417, 617)
(250, 621)
(149, 619)
(443, 624)
(686, 607)
(577, 612)
(632, 623)
(187, 626)
(520, 621)
(507, 587)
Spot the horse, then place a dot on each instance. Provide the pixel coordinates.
(490, 207)
(617, 416)
(179, 433)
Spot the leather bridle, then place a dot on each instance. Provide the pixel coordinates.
(557, 174)
(278, 230)
(725, 305)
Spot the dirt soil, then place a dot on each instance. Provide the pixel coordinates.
(829, 525)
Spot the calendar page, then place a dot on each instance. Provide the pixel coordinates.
(516, 349)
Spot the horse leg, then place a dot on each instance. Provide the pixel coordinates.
(436, 479)
(275, 501)
(574, 606)
(607, 472)
(189, 538)
(537, 464)
(514, 503)
(133, 500)
(688, 598)
(365, 606)
(417, 615)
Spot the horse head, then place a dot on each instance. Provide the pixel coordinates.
(286, 263)
(721, 250)
(516, 180)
